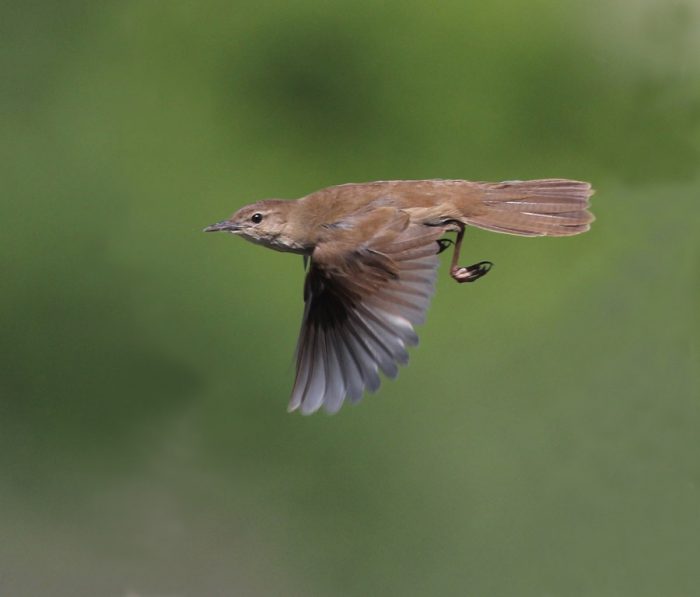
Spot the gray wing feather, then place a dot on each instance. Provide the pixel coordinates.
(348, 335)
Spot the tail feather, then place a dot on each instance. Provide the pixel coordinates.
(549, 207)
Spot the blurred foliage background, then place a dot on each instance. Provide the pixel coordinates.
(544, 440)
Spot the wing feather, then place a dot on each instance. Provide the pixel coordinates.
(361, 306)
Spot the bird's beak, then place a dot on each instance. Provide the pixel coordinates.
(225, 225)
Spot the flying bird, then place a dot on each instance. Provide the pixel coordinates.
(372, 255)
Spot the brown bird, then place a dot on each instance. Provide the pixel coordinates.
(373, 252)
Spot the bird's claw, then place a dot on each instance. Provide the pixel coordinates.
(471, 273)
(444, 244)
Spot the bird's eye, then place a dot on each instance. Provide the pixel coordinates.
(256, 218)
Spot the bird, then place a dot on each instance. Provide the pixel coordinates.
(371, 255)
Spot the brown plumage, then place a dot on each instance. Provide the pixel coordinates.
(373, 251)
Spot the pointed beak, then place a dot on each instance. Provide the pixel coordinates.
(225, 225)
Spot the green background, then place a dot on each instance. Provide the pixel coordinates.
(545, 439)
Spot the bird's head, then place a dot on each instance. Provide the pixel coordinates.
(263, 222)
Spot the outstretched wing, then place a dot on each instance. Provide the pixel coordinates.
(361, 303)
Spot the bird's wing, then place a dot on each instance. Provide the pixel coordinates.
(361, 303)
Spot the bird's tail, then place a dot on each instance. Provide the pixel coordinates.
(549, 207)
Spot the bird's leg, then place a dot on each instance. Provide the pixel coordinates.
(469, 273)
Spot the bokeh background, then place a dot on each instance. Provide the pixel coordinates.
(544, 440)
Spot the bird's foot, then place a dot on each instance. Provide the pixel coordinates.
(471, 273)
